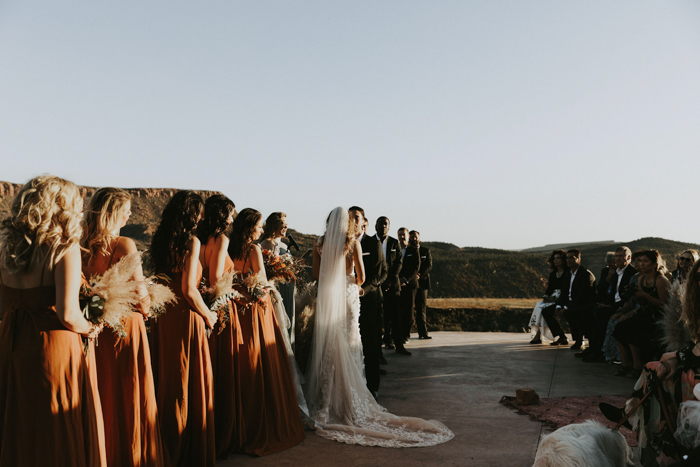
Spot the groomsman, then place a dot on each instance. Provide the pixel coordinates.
(391, 287)
(370, 298)
(426, 264)
(408, 277)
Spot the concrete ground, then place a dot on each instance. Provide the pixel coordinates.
(458, 378)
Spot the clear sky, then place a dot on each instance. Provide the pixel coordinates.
(505, 124)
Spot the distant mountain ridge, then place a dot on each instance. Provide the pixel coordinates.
(566, 246)
(457, 272)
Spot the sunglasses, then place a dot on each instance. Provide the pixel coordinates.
(683, 258)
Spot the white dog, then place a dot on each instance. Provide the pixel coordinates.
(588, 444)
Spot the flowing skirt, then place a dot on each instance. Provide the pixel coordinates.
(270, 420)
(538, 323)
(128, 396)
(49, 412)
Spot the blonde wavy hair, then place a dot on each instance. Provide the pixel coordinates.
(691, 302)
(45, 212)
(102, 216)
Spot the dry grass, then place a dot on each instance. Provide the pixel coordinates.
(482, 303)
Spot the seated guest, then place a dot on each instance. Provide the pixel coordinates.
(615, 283)
(548, 326)
(577, 298)
(679, 371)
(685, 262)
(637, 334)
(603, 286)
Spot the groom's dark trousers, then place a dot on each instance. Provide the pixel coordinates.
(370, 322)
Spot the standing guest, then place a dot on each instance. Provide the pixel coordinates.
(391, 287)
(543, 317)
(274, 229)
(48, 412)
(408, 277)
(638, 333)
(577, 298)
(212, 231)
(685, 262)
(123, 364)
(370, 298)
(421, 303)
(270, 421)
(182, 364)
(614, 299)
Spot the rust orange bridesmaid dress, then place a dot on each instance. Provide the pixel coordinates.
(270, 421)
(184, 382)
(127, 393)
(226, 379)
(49, 414)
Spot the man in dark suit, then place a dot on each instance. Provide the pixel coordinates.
(370, 298)
(408, 277)
(391, 287)
(615, 282)
(577, 297)
(421, 303)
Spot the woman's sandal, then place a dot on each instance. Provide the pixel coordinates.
(614, 414)
(623, 371)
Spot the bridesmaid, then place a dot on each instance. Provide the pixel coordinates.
(219, 212)
(274, 229)
(123, 364)
(182, 366)
(270, 419)
(49, 414)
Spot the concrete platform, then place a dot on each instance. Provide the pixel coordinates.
(458, 378)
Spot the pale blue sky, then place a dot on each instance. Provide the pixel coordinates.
(505, 124)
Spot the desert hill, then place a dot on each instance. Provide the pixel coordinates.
(457, 272)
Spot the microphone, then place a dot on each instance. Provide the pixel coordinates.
(292, 242)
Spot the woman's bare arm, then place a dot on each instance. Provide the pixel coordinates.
(67, 277)
(256, 262)
(359, 265)
(218, 258)
(190, 284)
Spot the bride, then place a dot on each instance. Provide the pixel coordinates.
(338, 399)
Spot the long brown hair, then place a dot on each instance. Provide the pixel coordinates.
(691, 302)
(242, 233)
(44, 212)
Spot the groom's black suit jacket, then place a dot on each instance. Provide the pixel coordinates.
(373, 260)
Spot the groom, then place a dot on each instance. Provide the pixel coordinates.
(370, 297)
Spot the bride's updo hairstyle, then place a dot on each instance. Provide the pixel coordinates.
(242, 233)
(101, 218)
(349, 239)
(177, 226)
(217, 208)
(46, 211)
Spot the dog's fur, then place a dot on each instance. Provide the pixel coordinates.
(587, 444)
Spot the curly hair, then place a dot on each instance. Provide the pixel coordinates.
(349, 239)
(273, 222)
(217, 208)
(46, 211)
(691, 302)
(550, 260)
(177, 227)
(102, 217)
(242, 233)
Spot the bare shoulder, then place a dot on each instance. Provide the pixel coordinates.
(221, 241)
(126, 246)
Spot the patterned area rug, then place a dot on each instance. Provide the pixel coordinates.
(557, 412)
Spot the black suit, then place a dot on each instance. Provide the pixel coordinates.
(602, 314)
(580, 306)
(391, 288)
(426, 264)
(408, 275)
(370, 324)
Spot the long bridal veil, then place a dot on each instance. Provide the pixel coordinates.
(338, 399)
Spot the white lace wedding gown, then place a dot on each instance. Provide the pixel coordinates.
(336, 391)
